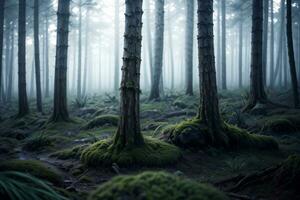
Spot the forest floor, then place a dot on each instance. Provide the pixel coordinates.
(58, 145)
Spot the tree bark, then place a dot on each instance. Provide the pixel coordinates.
(79, 95)
(158, 50)
(189, 40)
(2, 3)
(60, 111)
(47, 90)
(219, 65)
(224, 76)
(241, 54)
(86, 52)
(149, 39)
(37, 57)
(209, 103)
(23, 102)
(257, 92)
(272, 44)
(117, 44)
(265, 39)
(289, 35)
(129, 130)
(11, 65)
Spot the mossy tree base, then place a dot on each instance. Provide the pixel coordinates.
(155, 186)
(152, 153)
(195, 134)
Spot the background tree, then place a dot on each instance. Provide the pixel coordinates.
(224, 74)
(117, 45)
(1, 43)
(60, 110)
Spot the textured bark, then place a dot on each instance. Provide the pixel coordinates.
(189, 40)
(149, 38)
(171, 53)
(265, 39)
(60, 111)
(158, 50)
(47, 90)
(79, 95)
(129, 130)
(23, 102)
(241, 54)
(224, 76)
(257, 93)
(86, 53)
(37, 57)
(272, 44)
(289, 32)
(219, 65)
(1, 44)
(117, 44)
(209, 103)
(11, 64)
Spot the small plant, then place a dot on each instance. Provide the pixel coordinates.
(80, 102)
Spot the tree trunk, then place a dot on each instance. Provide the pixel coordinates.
(257, 92)
(171, 55)
(37, 57)
(158, 50)
(241, 54)
(79, 95)
(189, 40)
(100, 60)
(60, 111)
(117, 44)
(11, 65)
(129, 130)
(47, 90)
(272, 45)
(265, 39)
(224, 76)
(86, 52)
(23, 102)
(149, 39)
(219, 65)
(209, 103)
(1, 44)
(289, 35)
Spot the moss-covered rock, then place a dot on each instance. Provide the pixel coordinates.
(194, 134)
(153, 153)
(111, 120)
(70, 153)
(155, 186)
(38, 142)
(33, 167)
(282, 123)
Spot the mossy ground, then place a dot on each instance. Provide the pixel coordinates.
(152, 153)
(155, 186)
(111, 120)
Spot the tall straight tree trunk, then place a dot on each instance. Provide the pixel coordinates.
(224, 76)
(117, 44)
(241, 54)
(189, 40)
(272, 44)
(171, 57)
(60, 110)
(79, 95)
(86, 51)
(1, 45)
(257, 92)
(219, 65)
(149, 39)
(289, 35)
(32, 79)
(265, 39)
(37, 57)
(209, 103)
(11, 65)
(74, 62)
(100, 62)
(129, 130)
(158, 50)
(23, 102)
(285, 64)
(7, 57)
(47, 90)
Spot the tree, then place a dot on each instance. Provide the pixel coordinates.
(60, 111)
(11, 65)
(23, 102)
(158, 50)
(289, 35)
(37, 57)
(257, 92)
(224, 79)
(189, 40)
(1, 42)
(241, 53)
(117, 44)
(272, 44)
(79, 95)
(149, 38)
(265, 39)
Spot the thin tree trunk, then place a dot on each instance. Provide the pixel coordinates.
(100, 65)
(117, 44)
(2, 3)
(23, 102)
(289, 32)
(37, 57)
(171, 49)
(11, 65)
(189, 40)
(241, 54)
(79, 95)
(265, 39)
(158, 53)
(272, 45)
(149, 39)
(74, 62)
(7, 58)
(86, 50)
(47, 90)
(224, 76)
(129, 130)
(60, 111)
(219, 65)
(32, 80)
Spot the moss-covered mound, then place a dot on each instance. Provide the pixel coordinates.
(70, 153)
(34, 168)
(155, 186)
(153, 153)
(282, 123)
(38, 142)
(194, 134)
(111, 120)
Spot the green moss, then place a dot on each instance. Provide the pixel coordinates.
(70, 153)
(111, 120)
(282, 123)
(74, 123)
(37, 143)
(155, 186)
(194, 134)
(153, 153)
(33, 167)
